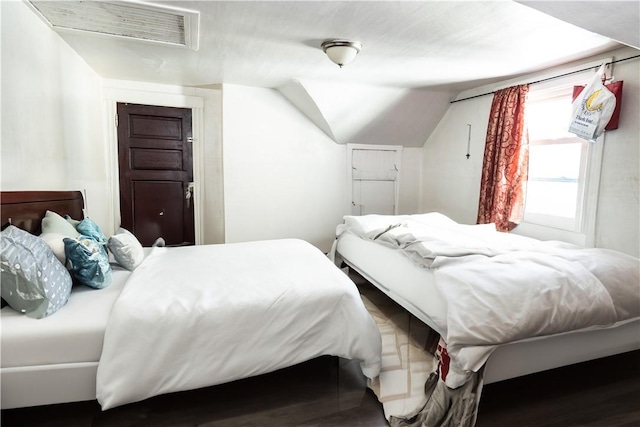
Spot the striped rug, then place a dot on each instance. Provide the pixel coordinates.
(406, 364)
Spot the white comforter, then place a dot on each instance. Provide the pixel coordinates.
(196, 316)
(501, 288)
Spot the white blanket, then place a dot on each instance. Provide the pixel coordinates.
(500, 288)
(197, 316)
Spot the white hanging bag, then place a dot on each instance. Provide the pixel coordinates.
(592, 109)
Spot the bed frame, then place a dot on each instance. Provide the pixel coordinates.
(533, 355)
(33, 386)
(25, 209)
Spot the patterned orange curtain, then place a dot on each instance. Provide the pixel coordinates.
(506, 157)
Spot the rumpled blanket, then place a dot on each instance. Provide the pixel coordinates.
(502, 288)
(445, 407)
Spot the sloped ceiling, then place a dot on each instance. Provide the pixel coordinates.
(368, 114)
(618, 20)
(416, 56)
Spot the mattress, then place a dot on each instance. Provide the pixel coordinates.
(412, 287)
(74, 334)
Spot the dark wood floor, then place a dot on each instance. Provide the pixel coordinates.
(599, 393)
(324, 392)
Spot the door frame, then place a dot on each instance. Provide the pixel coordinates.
(121, 92)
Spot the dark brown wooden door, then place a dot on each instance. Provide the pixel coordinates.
(155, 162)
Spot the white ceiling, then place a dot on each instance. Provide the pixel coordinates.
(407, 44)
(439, 47)
(618, 20)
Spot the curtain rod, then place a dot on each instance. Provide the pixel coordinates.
(548, 78)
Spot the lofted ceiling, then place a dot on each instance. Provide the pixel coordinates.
(618, 20)
(416, 55)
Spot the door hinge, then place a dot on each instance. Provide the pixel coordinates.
(116, 120)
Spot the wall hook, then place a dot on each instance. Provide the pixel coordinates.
(468, 142)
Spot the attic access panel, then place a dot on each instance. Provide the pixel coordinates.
(132, 20)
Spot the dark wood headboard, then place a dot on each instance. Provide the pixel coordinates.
(25, 209)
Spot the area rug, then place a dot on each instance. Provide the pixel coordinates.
(406, 361)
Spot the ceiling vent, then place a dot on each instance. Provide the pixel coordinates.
(132, 20)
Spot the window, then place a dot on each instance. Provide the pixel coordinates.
(557, 163)
(564, 170)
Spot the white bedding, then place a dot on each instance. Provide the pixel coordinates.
(501, 288)
(73, 334)
(191, 317)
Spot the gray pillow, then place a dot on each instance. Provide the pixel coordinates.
(126, 249)
(34, 281)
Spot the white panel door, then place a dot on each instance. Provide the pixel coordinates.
(375, 197)
(373, 174)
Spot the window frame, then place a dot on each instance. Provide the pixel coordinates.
(583, 233)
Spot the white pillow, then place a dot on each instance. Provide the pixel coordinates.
(126, 249)
(56, 243)
(54, 223)
(369, 226)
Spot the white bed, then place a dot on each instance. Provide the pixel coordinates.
(413, 287)
(186, 317)
(196, 316)
(38, 355)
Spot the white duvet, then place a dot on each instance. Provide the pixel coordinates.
(500, 288)
(197, 316)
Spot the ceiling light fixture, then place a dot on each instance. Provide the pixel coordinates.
(341, 52)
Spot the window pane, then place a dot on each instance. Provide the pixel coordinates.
(555, 161)
(552, 198)
(549, 119)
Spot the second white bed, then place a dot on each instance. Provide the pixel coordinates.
(413, 288)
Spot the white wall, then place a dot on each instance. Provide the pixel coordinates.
(618, 217)
(451, 183)
(283, 176)
(410, 181)
(51, 113)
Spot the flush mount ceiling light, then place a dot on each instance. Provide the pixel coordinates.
(341, 52)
